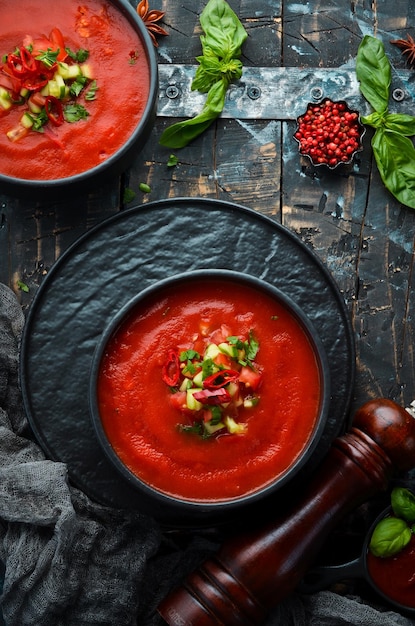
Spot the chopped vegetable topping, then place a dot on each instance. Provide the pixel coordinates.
(45, 79)
(213, 381)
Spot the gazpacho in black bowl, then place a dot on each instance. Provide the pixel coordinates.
(209, 391)
(78, 93)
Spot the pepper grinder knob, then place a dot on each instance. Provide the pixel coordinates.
(253, 571)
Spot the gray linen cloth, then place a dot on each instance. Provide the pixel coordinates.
(71, 562)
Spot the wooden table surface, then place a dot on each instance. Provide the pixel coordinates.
(362, 234)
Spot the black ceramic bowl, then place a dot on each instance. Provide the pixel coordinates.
(174, 510)
(119, 160)
(323, 577)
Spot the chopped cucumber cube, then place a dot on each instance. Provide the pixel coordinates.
(198, 379)
(211, 351)
(228, 349)
(5, 100)
(26, 120)
(86, 70)
(191, 402)
(68, 72)
(233, 427)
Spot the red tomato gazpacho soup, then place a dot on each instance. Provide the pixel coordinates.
(210, 390)
(74, 83)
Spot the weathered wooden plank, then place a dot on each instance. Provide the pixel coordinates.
(35, 234)
(386, 284)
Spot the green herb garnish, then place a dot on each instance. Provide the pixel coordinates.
(91, 94)
(48, 57)
(75, 112)
(218, 67)
(80, 56)
(189, 354)
(129, 195)
(172, 160)
(392, 534)
(393, 150)
(22, 286)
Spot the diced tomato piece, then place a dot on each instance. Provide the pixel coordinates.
(207, 415)
(178, 400)
(250, 378)
(220, 334)
(37, 99)
(223, 359)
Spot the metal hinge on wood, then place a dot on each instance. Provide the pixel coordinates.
(278, 93)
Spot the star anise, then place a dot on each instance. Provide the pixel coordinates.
(407, 46)
(150, 18)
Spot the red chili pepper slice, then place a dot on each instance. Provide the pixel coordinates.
(220, 379)
(35, 83)
(29, 62)
(14, 62)
(171, 369)
(54, 110)
(215, 396)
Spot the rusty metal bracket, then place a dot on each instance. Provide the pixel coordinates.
(278, 93)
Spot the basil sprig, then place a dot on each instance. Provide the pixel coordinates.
(392, 534)
(393, 150)
(218, 67)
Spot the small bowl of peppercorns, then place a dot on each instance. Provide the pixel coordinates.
(329, 133)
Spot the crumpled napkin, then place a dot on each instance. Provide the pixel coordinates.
(71, 562)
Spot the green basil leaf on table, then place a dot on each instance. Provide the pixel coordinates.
(403, 503)
(395, 158)
(393, 151)
(390, 536)
(181, 133)
(218, 67)
(224, 33)
(400, 123)
(374, 73)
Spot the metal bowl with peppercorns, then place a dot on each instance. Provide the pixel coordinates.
(329, 133)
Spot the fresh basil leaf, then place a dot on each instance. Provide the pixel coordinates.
(375, 119)
(403, 504)
(395, 158)
(373, 71)
(207, 73)
(221, 43)
(180, 134)
(224, 33)
(390, 536)
(400, 123)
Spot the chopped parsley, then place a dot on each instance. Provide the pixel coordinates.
(75, 112)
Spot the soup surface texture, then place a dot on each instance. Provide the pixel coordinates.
(119, 66)
(142, 424)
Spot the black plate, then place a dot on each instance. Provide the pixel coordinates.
(113, 262)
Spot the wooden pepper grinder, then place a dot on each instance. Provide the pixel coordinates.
(255, 570)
